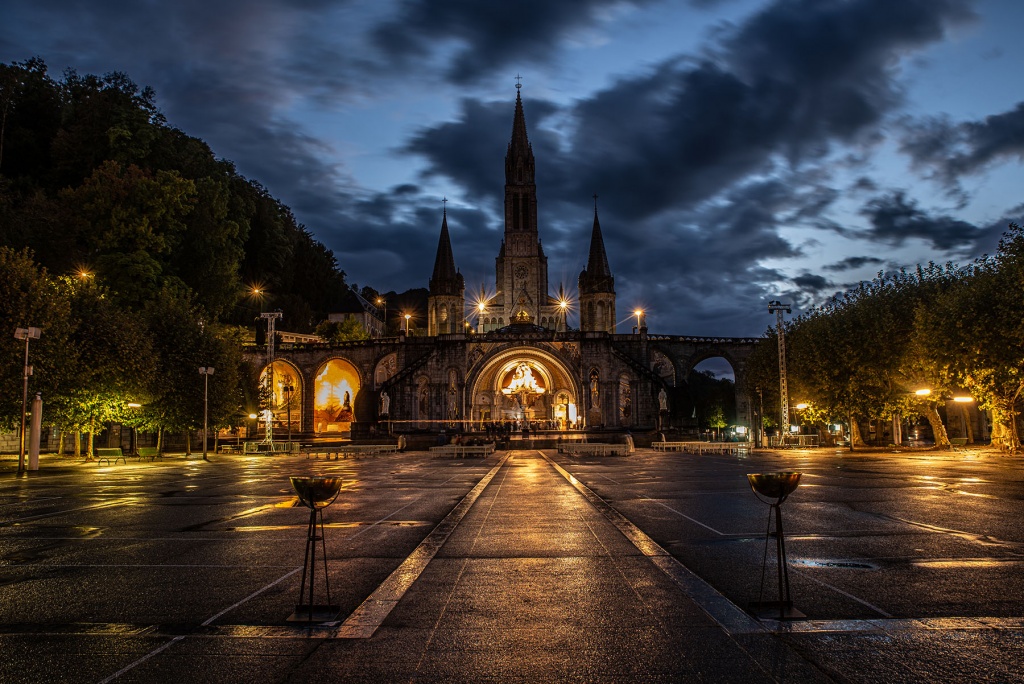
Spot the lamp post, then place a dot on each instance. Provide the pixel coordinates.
(638, 313)
(407, 317)
(383, 303)
(206, 372)
(778, 308)
(24, 334)
(480, 307)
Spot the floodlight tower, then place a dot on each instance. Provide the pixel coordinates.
(272, 318)
(778, 308)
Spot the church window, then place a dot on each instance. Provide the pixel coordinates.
(600, 323)
(515, 213)
(443, 314)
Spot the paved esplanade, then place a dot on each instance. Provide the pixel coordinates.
(536, 584)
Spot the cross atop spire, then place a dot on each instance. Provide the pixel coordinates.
(595, 203)
(519, 83)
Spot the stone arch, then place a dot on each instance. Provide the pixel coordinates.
(335, 387)
(284, 384)
(493, 374)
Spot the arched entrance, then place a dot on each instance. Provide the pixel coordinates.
(282, 385)
(525, 384)
(335, 388)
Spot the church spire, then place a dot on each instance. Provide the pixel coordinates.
(597, 286)
(597, 263)
(519, 148)
(446, 279)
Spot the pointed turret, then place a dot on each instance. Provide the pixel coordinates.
(446, 279)
(597, 286)
(447, 288)
(597, 270)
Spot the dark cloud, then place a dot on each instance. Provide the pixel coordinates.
(796, 78)
(851, 263)
(895, 219)
(814, 283)
(489, 35)
(951, 150)
(700, 162)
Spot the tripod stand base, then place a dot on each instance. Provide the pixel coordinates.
(775, 610)
(315, 613)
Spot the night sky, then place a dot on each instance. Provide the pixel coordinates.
(742, 150)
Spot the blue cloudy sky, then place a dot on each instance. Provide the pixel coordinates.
(742, 150)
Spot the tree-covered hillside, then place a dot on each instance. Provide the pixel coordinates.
(94, 179)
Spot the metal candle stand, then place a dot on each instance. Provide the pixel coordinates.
(316, 494)
(777, 486)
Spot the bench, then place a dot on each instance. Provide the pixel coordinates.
(463, 450)
(957, 443)
(700, 448)
(593, 449)
(152, 453)
(108, 453)
(345, 451)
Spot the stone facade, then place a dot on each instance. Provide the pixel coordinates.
(519, 362)
(590, 379)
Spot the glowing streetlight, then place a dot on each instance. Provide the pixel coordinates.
(407, 317)
(801, 406)
(638, 313)
(963, 400)
(24, 334)
(383, 303)
(923, 392)
(206, 372)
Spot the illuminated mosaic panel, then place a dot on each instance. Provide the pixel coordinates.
(284, 386)
(336, 386)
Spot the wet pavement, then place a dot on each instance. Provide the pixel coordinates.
(525, 566)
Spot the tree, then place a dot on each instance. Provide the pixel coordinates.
(348, 330)
(29, 297)
(975, 335)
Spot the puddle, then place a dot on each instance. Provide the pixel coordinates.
(839, 564)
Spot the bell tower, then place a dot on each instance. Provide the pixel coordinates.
(521, 269)
(446, 300)
(597, 286)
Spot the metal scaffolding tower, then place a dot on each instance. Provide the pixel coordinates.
(778, 308)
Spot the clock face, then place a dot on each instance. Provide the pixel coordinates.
(522, 272)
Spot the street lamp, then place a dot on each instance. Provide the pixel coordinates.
(206, 372)
(135, 428)
(480, 307)
(407, 317)
(24, 334)
(383, 303)
(638, 313)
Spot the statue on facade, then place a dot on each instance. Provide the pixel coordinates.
(385, 403)
(663, 400)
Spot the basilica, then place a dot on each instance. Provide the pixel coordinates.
(519, 363)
